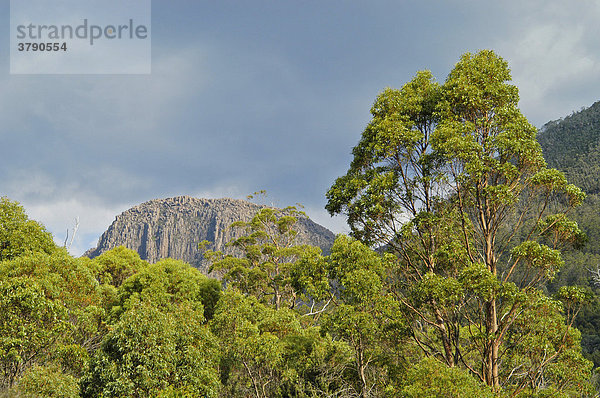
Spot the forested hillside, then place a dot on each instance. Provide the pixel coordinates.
(572, 145)
(464, 276)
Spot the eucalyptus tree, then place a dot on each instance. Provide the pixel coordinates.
(453, 181)
(366, 317)
(158, 335)
(394, 196)
(268, 255)
(512, 207)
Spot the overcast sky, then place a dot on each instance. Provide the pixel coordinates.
(250, 95)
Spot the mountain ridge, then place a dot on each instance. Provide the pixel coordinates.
(173, 227)
(572, 145)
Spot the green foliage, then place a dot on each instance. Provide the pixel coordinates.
(159, 337)
(542, 329)
(52, 308)
(318, 364)
(572, 145)
(63, 277)
(166, 284)
(391, 162)
(459, 191)
(433, 379)
(479, 281)
(269, 256)
(18, 234)
(29, 321)
(588, 322)
(46, 382)
(251, 336)
(541, 258)
(171, 392)
(266, 352)
(365, 315)
(148, 350)
(310, 279)
(118, 264)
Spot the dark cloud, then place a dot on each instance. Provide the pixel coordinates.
(260, 95)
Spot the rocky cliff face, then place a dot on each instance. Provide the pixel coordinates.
(173, 228)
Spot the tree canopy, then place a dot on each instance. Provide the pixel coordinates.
(20, 235)
(452, 180)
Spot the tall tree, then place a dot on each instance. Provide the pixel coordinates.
(494, 162)
(393, 195)
(454, 182)
(365, 315)
(268, 255)
(52, 313)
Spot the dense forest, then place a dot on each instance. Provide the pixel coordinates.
(469, 272)
(572, 145)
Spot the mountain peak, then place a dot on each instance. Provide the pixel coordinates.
(173, 227)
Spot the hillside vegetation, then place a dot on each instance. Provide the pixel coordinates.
(572, 145)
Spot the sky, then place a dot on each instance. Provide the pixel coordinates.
(252, 95)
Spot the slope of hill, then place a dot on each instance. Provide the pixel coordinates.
(173, 227)
(572, 145)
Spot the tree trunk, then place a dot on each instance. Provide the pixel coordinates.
(441, 325)
(491, 321)
(492, 346)
(361, 370)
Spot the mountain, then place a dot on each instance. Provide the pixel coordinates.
(572, 145)
(173, 227)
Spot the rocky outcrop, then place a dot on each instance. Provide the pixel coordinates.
(173, 228)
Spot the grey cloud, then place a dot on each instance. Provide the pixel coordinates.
(264, 96)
